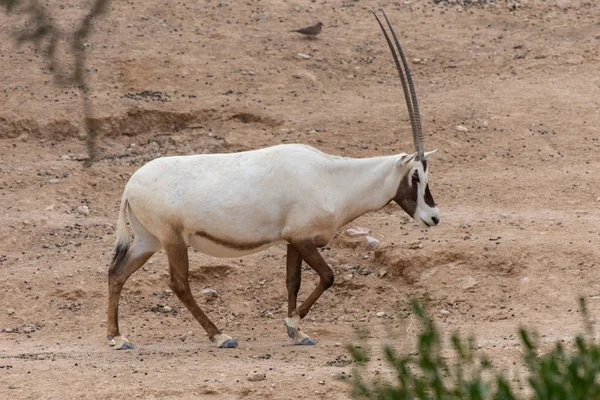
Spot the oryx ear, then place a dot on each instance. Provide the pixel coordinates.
(428, 153)
(405, 159)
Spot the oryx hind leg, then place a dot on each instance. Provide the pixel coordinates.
(177, 253)
(144, 246)
(307, 250)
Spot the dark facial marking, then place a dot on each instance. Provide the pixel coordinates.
(415, 177)
(428, 197)
(424, 165)
(406, 196)
(232, 244)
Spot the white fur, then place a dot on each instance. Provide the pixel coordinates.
(264, 196)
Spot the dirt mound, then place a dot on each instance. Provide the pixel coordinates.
(415, 264)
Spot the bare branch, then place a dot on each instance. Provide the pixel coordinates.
(44, 31)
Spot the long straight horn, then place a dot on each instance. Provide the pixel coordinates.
(410, 94)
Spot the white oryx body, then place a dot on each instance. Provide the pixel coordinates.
(230, 205)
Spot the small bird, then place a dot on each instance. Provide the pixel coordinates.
(311, 31)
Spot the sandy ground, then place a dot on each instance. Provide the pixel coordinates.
(518, 192)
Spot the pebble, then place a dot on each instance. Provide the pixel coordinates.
(348, 277)
(8, 330)
(54, 180)
(10, 311)
(380, 314)
(597, 198)
(357, 231)
(257, 377)
(167, 309)
(382, 273)
(415, 245)
(304, 75)
(461, 128)
(372, 243)
(304, 56)
(83, 210)
(444, 312)
(210, 292)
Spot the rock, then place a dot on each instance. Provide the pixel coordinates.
(83, 210)
(461, 128)
(10, 311)
(444, 312)
(417, 60)
(65, 157)
(415, 245)
(304, 56)
(210, 292)
(357, 231)
(50, 207)
(26, 222)
(371, 243)
(467, 283)
(8, 330)
(348, 277)
(54, 180)
(167, 309)
(305, 75)
(257, 377)
(382, 273)
(597, 198)
(380, 314)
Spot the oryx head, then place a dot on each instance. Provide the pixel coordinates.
(413, 193)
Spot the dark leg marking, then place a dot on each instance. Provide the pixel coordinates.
(121, 269)
(177, 253)
(308, 251)
(293, 278)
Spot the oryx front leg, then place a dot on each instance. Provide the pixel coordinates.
(308, 251)
(293, 277)
(179, 283)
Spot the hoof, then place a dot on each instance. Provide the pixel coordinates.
(228, 344)
(125, 346)
(224, 341)
(307, 341)
(120, 343)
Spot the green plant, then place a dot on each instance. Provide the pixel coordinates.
(560, 374)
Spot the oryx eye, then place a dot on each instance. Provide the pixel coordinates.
(415, 177)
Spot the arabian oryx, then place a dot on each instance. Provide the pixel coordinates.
(231, 205)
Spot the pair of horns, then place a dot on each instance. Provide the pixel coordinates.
(409, 90)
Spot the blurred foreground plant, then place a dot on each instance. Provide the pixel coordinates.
(561, 374)
(45, 34)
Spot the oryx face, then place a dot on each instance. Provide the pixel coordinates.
(413, 193)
